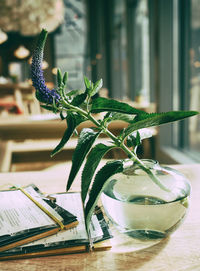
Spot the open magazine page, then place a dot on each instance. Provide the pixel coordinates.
(72, 237)
(18, 213)
(73, 203)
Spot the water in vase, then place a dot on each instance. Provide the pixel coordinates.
(142, 214)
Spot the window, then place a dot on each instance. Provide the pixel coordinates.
(178, 71)
(130, 50)
(70, 43)
(193, 141)
(119, 53)
(119, 33)
(138, 50)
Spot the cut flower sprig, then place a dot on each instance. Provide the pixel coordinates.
(78, 106)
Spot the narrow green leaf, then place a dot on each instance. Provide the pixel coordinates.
(79, 119)
(112, 116)
(59, 77)
(101, 177)
(156, 119)
(72, 122)
(87, 82)
(65, 77)
(138, 139)
(71, 125)
(93, 160)
(85, 142)
(135, 138)
(101, 104)
(72, 92)
(79, 99)
(97, 86)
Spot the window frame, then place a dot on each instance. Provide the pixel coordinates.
(172, 54)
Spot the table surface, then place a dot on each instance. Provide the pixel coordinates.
(179, 252)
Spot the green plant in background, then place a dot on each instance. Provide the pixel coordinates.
(78, 106)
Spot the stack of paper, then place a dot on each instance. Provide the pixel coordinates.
(32, 225)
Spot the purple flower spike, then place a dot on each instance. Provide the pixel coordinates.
(43, 93)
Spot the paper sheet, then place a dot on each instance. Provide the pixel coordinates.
(19, 213)
(72, 203)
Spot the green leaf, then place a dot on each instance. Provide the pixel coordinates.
(79, 119)
(87, 82)
(97, 86)
(65, 77)
(79, 99)
(133, 139)
(85, 142)
(101, 104)
(72, 122)
(93, 160)
(59, 77)
(72, 92)
(155, 119)
(71, 125)
(112, 116)
(101, 177)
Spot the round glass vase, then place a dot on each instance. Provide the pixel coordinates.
(139, 206)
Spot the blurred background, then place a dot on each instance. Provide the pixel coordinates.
(146, 51)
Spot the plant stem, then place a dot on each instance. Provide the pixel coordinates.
(119, 143)
(142, 166)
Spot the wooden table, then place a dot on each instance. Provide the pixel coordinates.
(179, 252)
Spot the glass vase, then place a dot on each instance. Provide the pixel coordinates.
(137, 205)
